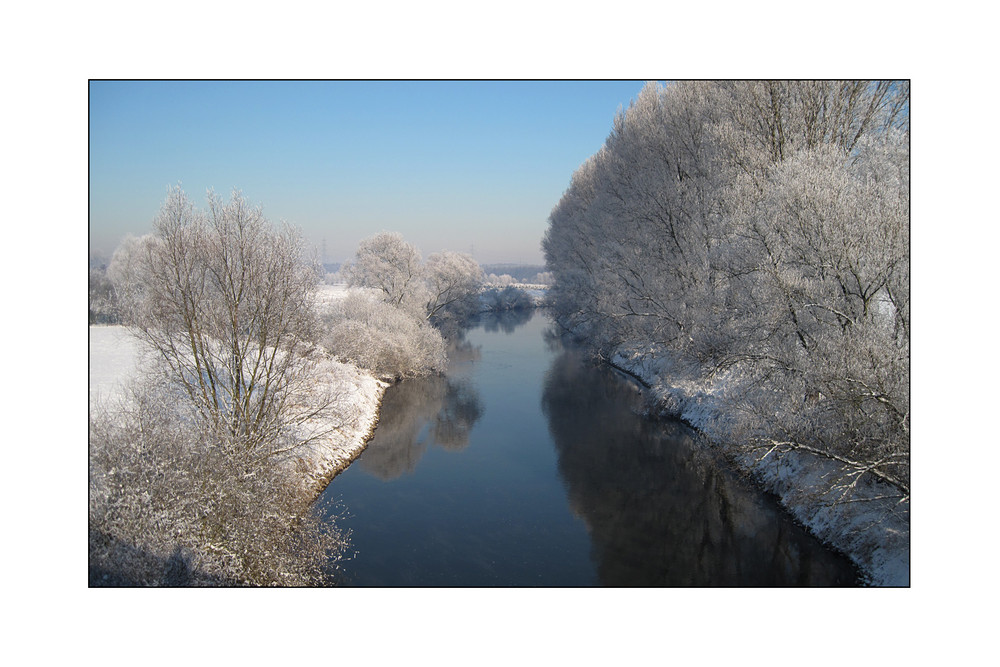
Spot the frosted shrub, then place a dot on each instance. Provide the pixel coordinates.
(389, 341)
(169, 505)
(505, 298)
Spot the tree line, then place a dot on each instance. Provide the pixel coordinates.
(198, 476)
(755, 236)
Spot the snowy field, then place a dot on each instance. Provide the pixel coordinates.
(114, 358)
(331, 293)
(114, 353)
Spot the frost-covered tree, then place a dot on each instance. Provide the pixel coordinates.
(501, 280)
(502, 299)
(453, 280)
(200, 469)
(226, 301)
(630, 239)
(393, 336)
(101, 298)
(389, 264)
(758, 229)
(822, 270)
(542, 278)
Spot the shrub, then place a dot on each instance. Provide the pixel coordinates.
(170, 505)
(388, 341)
(505, 298)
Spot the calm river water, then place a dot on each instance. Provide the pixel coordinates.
(528, 466)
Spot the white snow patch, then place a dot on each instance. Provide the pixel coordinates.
(327, 294)
(357, 397)
(114, 354)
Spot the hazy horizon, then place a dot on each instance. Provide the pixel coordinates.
(473, 167)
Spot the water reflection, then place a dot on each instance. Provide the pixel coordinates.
(419, 413)
(562, 484)
(505, 320)
(658, 511)
(462, 351)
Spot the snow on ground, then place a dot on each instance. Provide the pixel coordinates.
(327, 294)
(357, 396)
(113, 356)
(874, 533)
(114, 360)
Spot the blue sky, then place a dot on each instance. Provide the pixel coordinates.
(467, 166)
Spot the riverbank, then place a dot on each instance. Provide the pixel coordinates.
(358, 406)
(114, 362)
(872, 531)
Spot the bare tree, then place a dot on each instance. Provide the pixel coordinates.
(199, 470)
(225, 301)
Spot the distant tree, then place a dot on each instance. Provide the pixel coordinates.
(501, 280)
(391, 265)
(521, 273)
(442, 291)
(101, 298)
(499, 299)
(543, 278)
(453, 280)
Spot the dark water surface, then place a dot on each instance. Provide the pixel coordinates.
(528, 466)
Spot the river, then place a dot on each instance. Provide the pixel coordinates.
(527, 465)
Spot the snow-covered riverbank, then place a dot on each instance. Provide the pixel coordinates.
(873, 532)
(114, 361)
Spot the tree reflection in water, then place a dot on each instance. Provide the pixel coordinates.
(659, 512)
(505, 320)
(416, 414)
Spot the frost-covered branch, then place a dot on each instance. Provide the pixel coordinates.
(857, 468)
